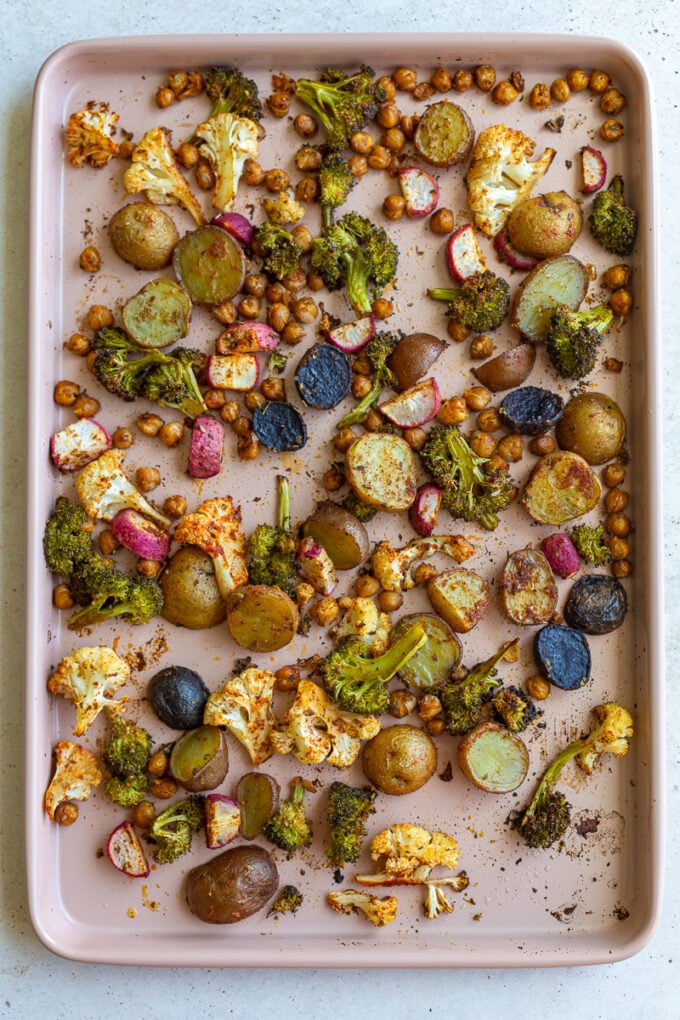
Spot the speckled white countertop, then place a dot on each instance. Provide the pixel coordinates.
(32, 981)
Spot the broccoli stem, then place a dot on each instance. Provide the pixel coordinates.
(283, 496)
(384, 666)
(360, 412)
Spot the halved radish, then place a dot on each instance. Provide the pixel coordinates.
(222, 820)
(593, 168)
(424, 511)
(463, 254)
(141, 536)
(414, 406)
(420, 191)
(78, 444)
(493, 758)
(232, 372)
(238, 226)
(514, 258)
(246, 338)
(205, 451)
(351, 337)
(125, 852)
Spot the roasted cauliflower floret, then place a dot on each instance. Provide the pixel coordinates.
(378, 910)
(500, 175)
(244, 707)
(154, 170)
(392, 567)
(76, 771)
(227, 141)
(361, 618)
(104, 490)
(283, 208)
(89, 678)
(89, 135)
(611, 735)
(215, 527)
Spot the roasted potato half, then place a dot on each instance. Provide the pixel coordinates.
(381, 470)
(460, 596)
(528, 590)
(561, 487)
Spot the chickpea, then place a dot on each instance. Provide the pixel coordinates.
(539, 97)
(405, 79)
(276, 180)
(415, 437)
(147, 478)
(278, 315)
(303, 237)
(249, 307)
(538, 687)
(187, 155)
(78, 344)
(273, 388)
(394, 139)
(358, 165)
(361, 386)
(293, 333)
(175, 507)
(333, 479)
(457, 331)
(287, 678)
(380, 158)
(62, 597)
(253, 400)
(452, 411)
(185, 85)
(477, 397)
(483, 443)
(612, 101)
(463, 80)
(622, 568)
(315, 281)
(225, 312)
(390, 601)
(172, 433)
(613, 475)
(511, 448)
(229, 412)
(481, 347)
(275, 292)
(99, 317)
(125, 149)
(66, 814)
(214, 399)
(381, 308)
(504, 93)
(599, 82)
(424, 573)
(296, 280)
(540, 445)
(617, 276)
(394, 207)
(165, 97)
(423, 90)
(616, 500)
(618, 524)
(253, 173)
(204, 175)
(495, 464)
(361, 142)
(441, 79)
(402, 703)
(388, 115)
(618, 547)
(366, 586)
(278, 104)
(149, 424)
(388, 86)
(248, 447)
(163, 788)
(308, 158)
(429, 706)
(612, 365)
(325, 611)
(374, 420)
(621, 302)
(489, 420)
(611, 130)
(408, 123)
(560, 91)
(435, 727)
(307, 189)
(577, 79)
(107, 542)
(305, 125)
(143, 815)
(485, 77)
(85, 406)
(90, 260)
(148, 568)
(241, 425)
(158, 763)
(305, 309)
(255, 284)
(343, 439)
(441, 221)
(66, 393)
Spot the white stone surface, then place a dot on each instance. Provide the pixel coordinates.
(33, 983)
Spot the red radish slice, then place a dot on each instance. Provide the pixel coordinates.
(140, 535)
(424, 510)
(514, 258)
(561, 554)
(205, 451)
(420, 191)
(351, 337)
(594, 169)
(125, 852)
(78, 444)
(238, 226)
(463, 254)
(414, 406)
(233, 372)
(247, 338)
(222, 820)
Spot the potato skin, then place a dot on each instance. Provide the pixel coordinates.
(561, 487)
(507, 370)
(413, 356)
(344, 538)
(192, 598)
(593, 426)
(261, 618)
(400, 759)
(460, 596)
(143, 235)
(232, 886)
(545, 226)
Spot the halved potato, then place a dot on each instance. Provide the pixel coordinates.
(528, 589)
(381, 470)
(340, 533)
(261, 618)
(562, 280)
(561, 487)
(413, 357)
(507, 370)
(444, 134)
(545, 226)
(460, 596)
(493, 758)
(199, 759)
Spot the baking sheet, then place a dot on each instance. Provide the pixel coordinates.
(598, 899)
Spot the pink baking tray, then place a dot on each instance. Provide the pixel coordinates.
(594, 901)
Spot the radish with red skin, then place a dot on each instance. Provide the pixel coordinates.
(141, 536)
(424, 510)
(351, 337)
(239, 372)
(593, 168)
(420, 191)
(247, 338)
(205, 450)
(414, 406)
(78, 444)
(125, 852)
(463, 255)
(514, 258)
(561, 554)
(222, 820)
(238, 226)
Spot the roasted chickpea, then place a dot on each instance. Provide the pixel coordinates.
(122, 438)
(66, 814)
(441, 221)
(441, 79)
(388, 86)
(388, 115)
(99, 317)
(457, 331)
(559, 90)
(158, 763)
(408, 123)
(214, 399)
(78, 344)
(379, 158)
(613, 475)
(618, 524)
(611, 130)
(539, 97)
(382, 308)
(307, 189)
(172, 433)
(276, 180)
(429, 706)
(308, 158)
(511, 448)
(278, 104)
(622, 568)
(175, 507)
(481, 347)
(325, 611)
(66, 393)
(435, 727)
(275, 292)
(415, 437)
(333, 479)
(618, 547)
(62, 597)
(390, 601)
(343, 439)
(358, 165)
(163, 788)
(612, 365)
(147, 478)
(616, 500)
(402, 703)
(296, 280)
(621, 302)
(315, 281)
(477, 397)
(255, 284)
(489, 420)
(394, 207)
(361, 386)
(229, 412)
(405, 79)
(85, 406)
(423, 90)
(90, 260)
(504, 93)
(248, 447)
(204, 175)
(612, 101)
(143, 815)
(253, 173)
(483, 443)
(241, 425)
(165, 97)
(293, 333)
(577, 79)
(278, 315)
(149, 424)
(394, 139)
(361, 142)
(617, 276)
(538, 687)
(253, 399)
(496, 463)
(148, 568)
(287, 678)
(599, 82)
(303, 237)
(374, 421)
(485, 77)
(107, 542)
(249, 307)
(273, 388)
(366, 586)
(187, 155)
(424, 573)
(305, 309)
(305, 125)
(453, 411)
(225, 312)
(463, 80)
(540, 445)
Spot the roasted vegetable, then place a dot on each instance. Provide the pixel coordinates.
(612, 223)
(230, 91)
(178, 695)
(191, 595)
(278, 249)
(399, 759)
(88, 678)
(232, 886)
(493, 758)
(481, 302)
(143, 235)
(358, 254)
(527, 588)
(444, 134)
(531, 410)
(67, 539)
(574, 339)
(462, 700)
(429, 667)
(340, 532)
(596, 604)
(76, 771)
(288, 828)
(545, 226)
(563, 656)
(335, 183)
(271, 548)
(89, 135)
(323, 376)
(106, 592)
(378, 351)
(591, 544)
(347, 810)
(381, 471)
(379, 910)
(199, 760)
(288, 901)
(215, 527)
(394, 567)
(155, 171)
(560, 281)
(343, 103)
(460, 597)
(126, 756)
(561, 487)
(172, 830)
(244, 706)
(593, 426)
(209, 264)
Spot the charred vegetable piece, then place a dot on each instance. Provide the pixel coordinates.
(258, 795)
(559, 281)
(178, 695)
(347, 810)
(158, 315)
(192, 596)
(125, 852)
(531, 410)
(222, 816)
(210, 265)
(563, 656)
(199, 759)
(493, 758)
(232, 886)
(429, 667)
(381, 471)
(464, 257)
(413, 356)
(279, 426)
(596, 604)
(444, 134)
(247, 338)
(460, 596)
(323, 376)
(400, 759)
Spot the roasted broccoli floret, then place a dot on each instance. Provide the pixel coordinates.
(173, 829)
(231, 92)
(288, 901)
(480, 303)
(573, 339)
(271, 548)
(548, 815)
(362, 511)
(357, 254)
(288, 828)
(463, 700)
(469, 491)
(348, 809)
(128, 791)
(513, 708)
(612, 223)
(128, 748)
(591, 544)
(108, 592)
(357, 680)
(343, 103)
(278, 249)
(377, 351)
(67, 540)
(335, 183)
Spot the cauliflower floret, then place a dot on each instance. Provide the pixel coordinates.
(76, 772)
(361, 618)
(392, 567)
(500, 175)
(89, 135)
(283, 208)
(227, 141)
(611, 736)
(244, 707)
(378, 910)
(154, 171)
(316, 730)
(104, 490)
(215, 527)
(88, 678)
(314, 565)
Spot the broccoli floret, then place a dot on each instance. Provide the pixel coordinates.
(514, 709)
(548, 815)
(612, 223)
(335, 183)
(480, 303)
(173, 384)
(66, 540)
(348, 809)
(173, 829)
(271, 548)
(288, 828)
(358, 254)
(469, 491)
(462, 700)
(128, 791)
(377, 351)
(231, 92)
(108, 592)
(288, 901)
(591, 544)
(362, 511)
(343, 103)
(357, 679)
(573, 339)
(128, 748)
(278, 249)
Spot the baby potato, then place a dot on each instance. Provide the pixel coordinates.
(460, 596)
(143, 235)
(545, 226)
(232, 886)
(528, 589)
(400, 759)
